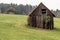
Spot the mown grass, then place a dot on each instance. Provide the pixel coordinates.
(14, 27)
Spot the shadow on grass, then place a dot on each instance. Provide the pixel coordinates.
(30, 27)
(57, 29)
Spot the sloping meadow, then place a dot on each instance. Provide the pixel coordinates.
(14, 27)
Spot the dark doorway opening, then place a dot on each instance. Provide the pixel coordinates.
(34, 21)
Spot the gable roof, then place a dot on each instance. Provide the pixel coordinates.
(42, 5)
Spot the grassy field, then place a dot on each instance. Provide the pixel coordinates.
(14, 27)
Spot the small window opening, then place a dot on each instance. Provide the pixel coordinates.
(43, 11)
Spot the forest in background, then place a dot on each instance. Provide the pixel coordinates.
(22, 9)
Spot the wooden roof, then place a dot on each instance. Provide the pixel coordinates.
(41, 5)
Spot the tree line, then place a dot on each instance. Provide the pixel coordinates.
(56, 12)
(22, 9)
(19, 9)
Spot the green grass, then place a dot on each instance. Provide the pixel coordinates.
(14, 27)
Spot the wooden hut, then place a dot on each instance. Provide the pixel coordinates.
(11, 10)
(41, 17)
